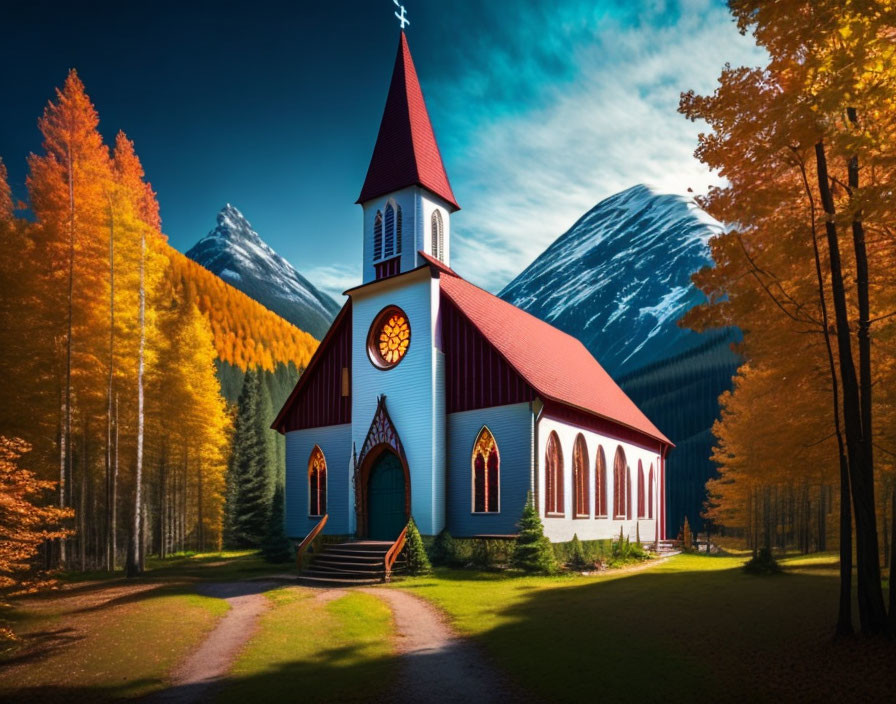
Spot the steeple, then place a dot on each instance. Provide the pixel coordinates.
(406, 152)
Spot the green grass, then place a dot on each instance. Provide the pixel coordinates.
(314, 651)
(694, 627)
(87, 650)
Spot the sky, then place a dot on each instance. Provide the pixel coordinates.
(541, 109)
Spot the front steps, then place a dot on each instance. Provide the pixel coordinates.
(349, 564)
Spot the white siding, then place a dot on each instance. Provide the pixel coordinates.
(562, 529)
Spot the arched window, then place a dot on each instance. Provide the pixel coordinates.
(553, 479)
(581, 496)
(437, 237)
(378, 236)
(600, 484)
(640, 490)
(628, 493)
(389, 245)
(317, 483)
(398, 229)
(486, 469)
(619, 483)
(650, 492)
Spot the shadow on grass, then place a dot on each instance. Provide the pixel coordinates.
(712, 634)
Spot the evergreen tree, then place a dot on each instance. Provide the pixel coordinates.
(533, 551)
(276, 546)
(418, 562)
(442, 548)
(248, 488)
(576, 553)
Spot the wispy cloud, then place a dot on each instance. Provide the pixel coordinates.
(534, 143)
(335, 278)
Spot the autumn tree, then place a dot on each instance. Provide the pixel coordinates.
(805, 144)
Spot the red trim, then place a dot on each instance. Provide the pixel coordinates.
(389, 267)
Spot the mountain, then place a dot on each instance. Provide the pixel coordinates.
(236, 253)
(619, 280)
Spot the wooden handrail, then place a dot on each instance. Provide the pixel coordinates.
(306, 543)
(395, 551)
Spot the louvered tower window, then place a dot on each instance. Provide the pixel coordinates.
(438, 238)
(389, 245)
(398, 229)
(378, 236)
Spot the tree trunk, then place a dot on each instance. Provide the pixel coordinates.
(872, 614)
(114, 493)
(200, 529)
(135, 560)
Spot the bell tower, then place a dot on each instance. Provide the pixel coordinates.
(406, 197)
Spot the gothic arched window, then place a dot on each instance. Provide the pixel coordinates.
(389, 244)
(640, 490)
(438, 239)
(378, 236)
(486, 471)
(650, 492)
(628, 493)
(398, 229)
(553, 480)
(619, 483)
(317, 483)
(600, 484)
(581, 496)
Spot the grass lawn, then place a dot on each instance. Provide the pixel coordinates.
(104, 643)
(311, 650)
(101, 636)
(693, 627)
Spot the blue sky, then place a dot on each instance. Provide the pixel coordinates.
(540, 109)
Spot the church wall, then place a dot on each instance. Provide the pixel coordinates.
(409, 386)
(511, 427)
(335, 442)
(560, 529)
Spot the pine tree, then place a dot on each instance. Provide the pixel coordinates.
(418, 562)
(248, 489)
(533, 551)
(576, 553)
(276, 547)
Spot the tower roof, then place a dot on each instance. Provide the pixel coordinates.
(406, 152)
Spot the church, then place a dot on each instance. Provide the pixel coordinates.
(434, 399)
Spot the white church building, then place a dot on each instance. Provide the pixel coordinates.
(430, 397)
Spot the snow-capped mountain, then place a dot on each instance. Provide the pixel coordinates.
(619, 279)
(236, 253)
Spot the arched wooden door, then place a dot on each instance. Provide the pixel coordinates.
(386, 498)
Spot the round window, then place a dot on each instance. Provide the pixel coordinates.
(389, 338)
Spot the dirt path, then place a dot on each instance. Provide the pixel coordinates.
(437, 664)
(193, 678)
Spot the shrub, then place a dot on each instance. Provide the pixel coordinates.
(533, 551)
(763, 564)
(442, 550)
(577, 560)
(418, 562)
(686, 537)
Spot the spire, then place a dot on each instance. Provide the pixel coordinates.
(406, 153)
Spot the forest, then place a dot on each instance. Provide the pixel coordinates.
(806, 441)
(124, 363)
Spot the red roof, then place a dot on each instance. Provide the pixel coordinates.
(556, 365)
(406, 153)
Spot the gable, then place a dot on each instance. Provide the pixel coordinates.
(322, 395)
(476, 375)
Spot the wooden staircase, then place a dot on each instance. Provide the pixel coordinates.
(350, 564)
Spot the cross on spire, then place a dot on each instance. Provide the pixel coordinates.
(402, 18)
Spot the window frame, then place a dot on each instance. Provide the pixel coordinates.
(580, 452)
(317, 449)
(473, 454)
(620, 470)
(554, 440)
(600, 485)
